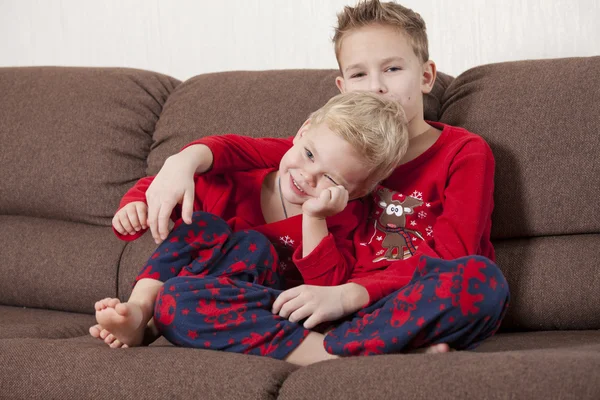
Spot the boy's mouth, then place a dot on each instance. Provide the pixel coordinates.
(296, 188)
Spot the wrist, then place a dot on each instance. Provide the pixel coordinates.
(355, 297)
(312, 218)
(197, 158)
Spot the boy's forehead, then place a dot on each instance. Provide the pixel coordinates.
(373, 43)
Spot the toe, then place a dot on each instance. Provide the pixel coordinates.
(95, 331)
(113, 302)
(109, 339)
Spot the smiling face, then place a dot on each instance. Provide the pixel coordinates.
(380, 59)
(320, 159)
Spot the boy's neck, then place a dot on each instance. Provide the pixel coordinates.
(417, 127)
(421, 137)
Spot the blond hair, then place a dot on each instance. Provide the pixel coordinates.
(373, 12)
(374, 126)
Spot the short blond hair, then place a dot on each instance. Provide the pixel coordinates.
(376, 127)
(373, 12)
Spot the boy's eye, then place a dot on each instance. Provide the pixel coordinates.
(331, 179)
(357, 75)
(393, 69)
(309, 154)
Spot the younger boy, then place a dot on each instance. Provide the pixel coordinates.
(434, 208)
(341, 152)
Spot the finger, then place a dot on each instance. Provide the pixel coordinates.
(142, 213)
(304, 311)
(290, 306)
(163, 219)
(124, 218)
(314, 320)
(133, 218)
(116, 223)
(187, 208)
(284, 298)
(153, 210)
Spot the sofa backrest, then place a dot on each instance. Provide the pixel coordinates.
(73, 140)
(541, 119)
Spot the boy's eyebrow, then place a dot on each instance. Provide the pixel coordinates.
(384, 61)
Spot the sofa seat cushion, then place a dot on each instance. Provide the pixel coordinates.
(85, 368)
(56, 264)
(20, 322)
(558, 365)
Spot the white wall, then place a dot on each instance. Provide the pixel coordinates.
(183, 38)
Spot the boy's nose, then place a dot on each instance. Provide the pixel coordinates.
(378, 86)
(309, 178)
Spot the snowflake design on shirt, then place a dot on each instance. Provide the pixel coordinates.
(286, 240)
(413, 223)
(427, 204)
(429, 231)
(417, 195)
(422, 214)
(380, 238)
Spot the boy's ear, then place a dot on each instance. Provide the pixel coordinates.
(341, 84)
(428, 77)
(303, 129)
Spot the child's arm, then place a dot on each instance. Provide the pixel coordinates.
(326, 255)
(458, 231)
(128, 228)
(241, 153)
(173, 184)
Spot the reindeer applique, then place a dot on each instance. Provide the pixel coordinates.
(392, 222)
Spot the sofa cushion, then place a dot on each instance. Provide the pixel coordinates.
(85, 368)
(75, 139)
(548, 372)
(541, 120)
(56, 264)
(552, 282)
(20, 322)
(260, 104)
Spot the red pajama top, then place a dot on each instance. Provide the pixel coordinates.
(439, 204)
(235, 197)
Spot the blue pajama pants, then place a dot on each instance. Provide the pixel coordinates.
(219, 287)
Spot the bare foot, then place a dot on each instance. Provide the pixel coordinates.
(99, 332)
(433, 349)
(119, 324)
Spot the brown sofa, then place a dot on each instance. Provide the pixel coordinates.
(73, 140)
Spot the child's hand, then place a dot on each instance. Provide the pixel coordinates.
(131, 218)
(173, 185)
(317, 303)
(330, 202)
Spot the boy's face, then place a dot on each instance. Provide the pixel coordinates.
(380, 59)
(320, 159)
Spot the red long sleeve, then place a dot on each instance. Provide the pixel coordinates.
(243, 153)
(454, 183)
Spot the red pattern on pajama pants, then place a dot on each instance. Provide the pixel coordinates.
(220, 286)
